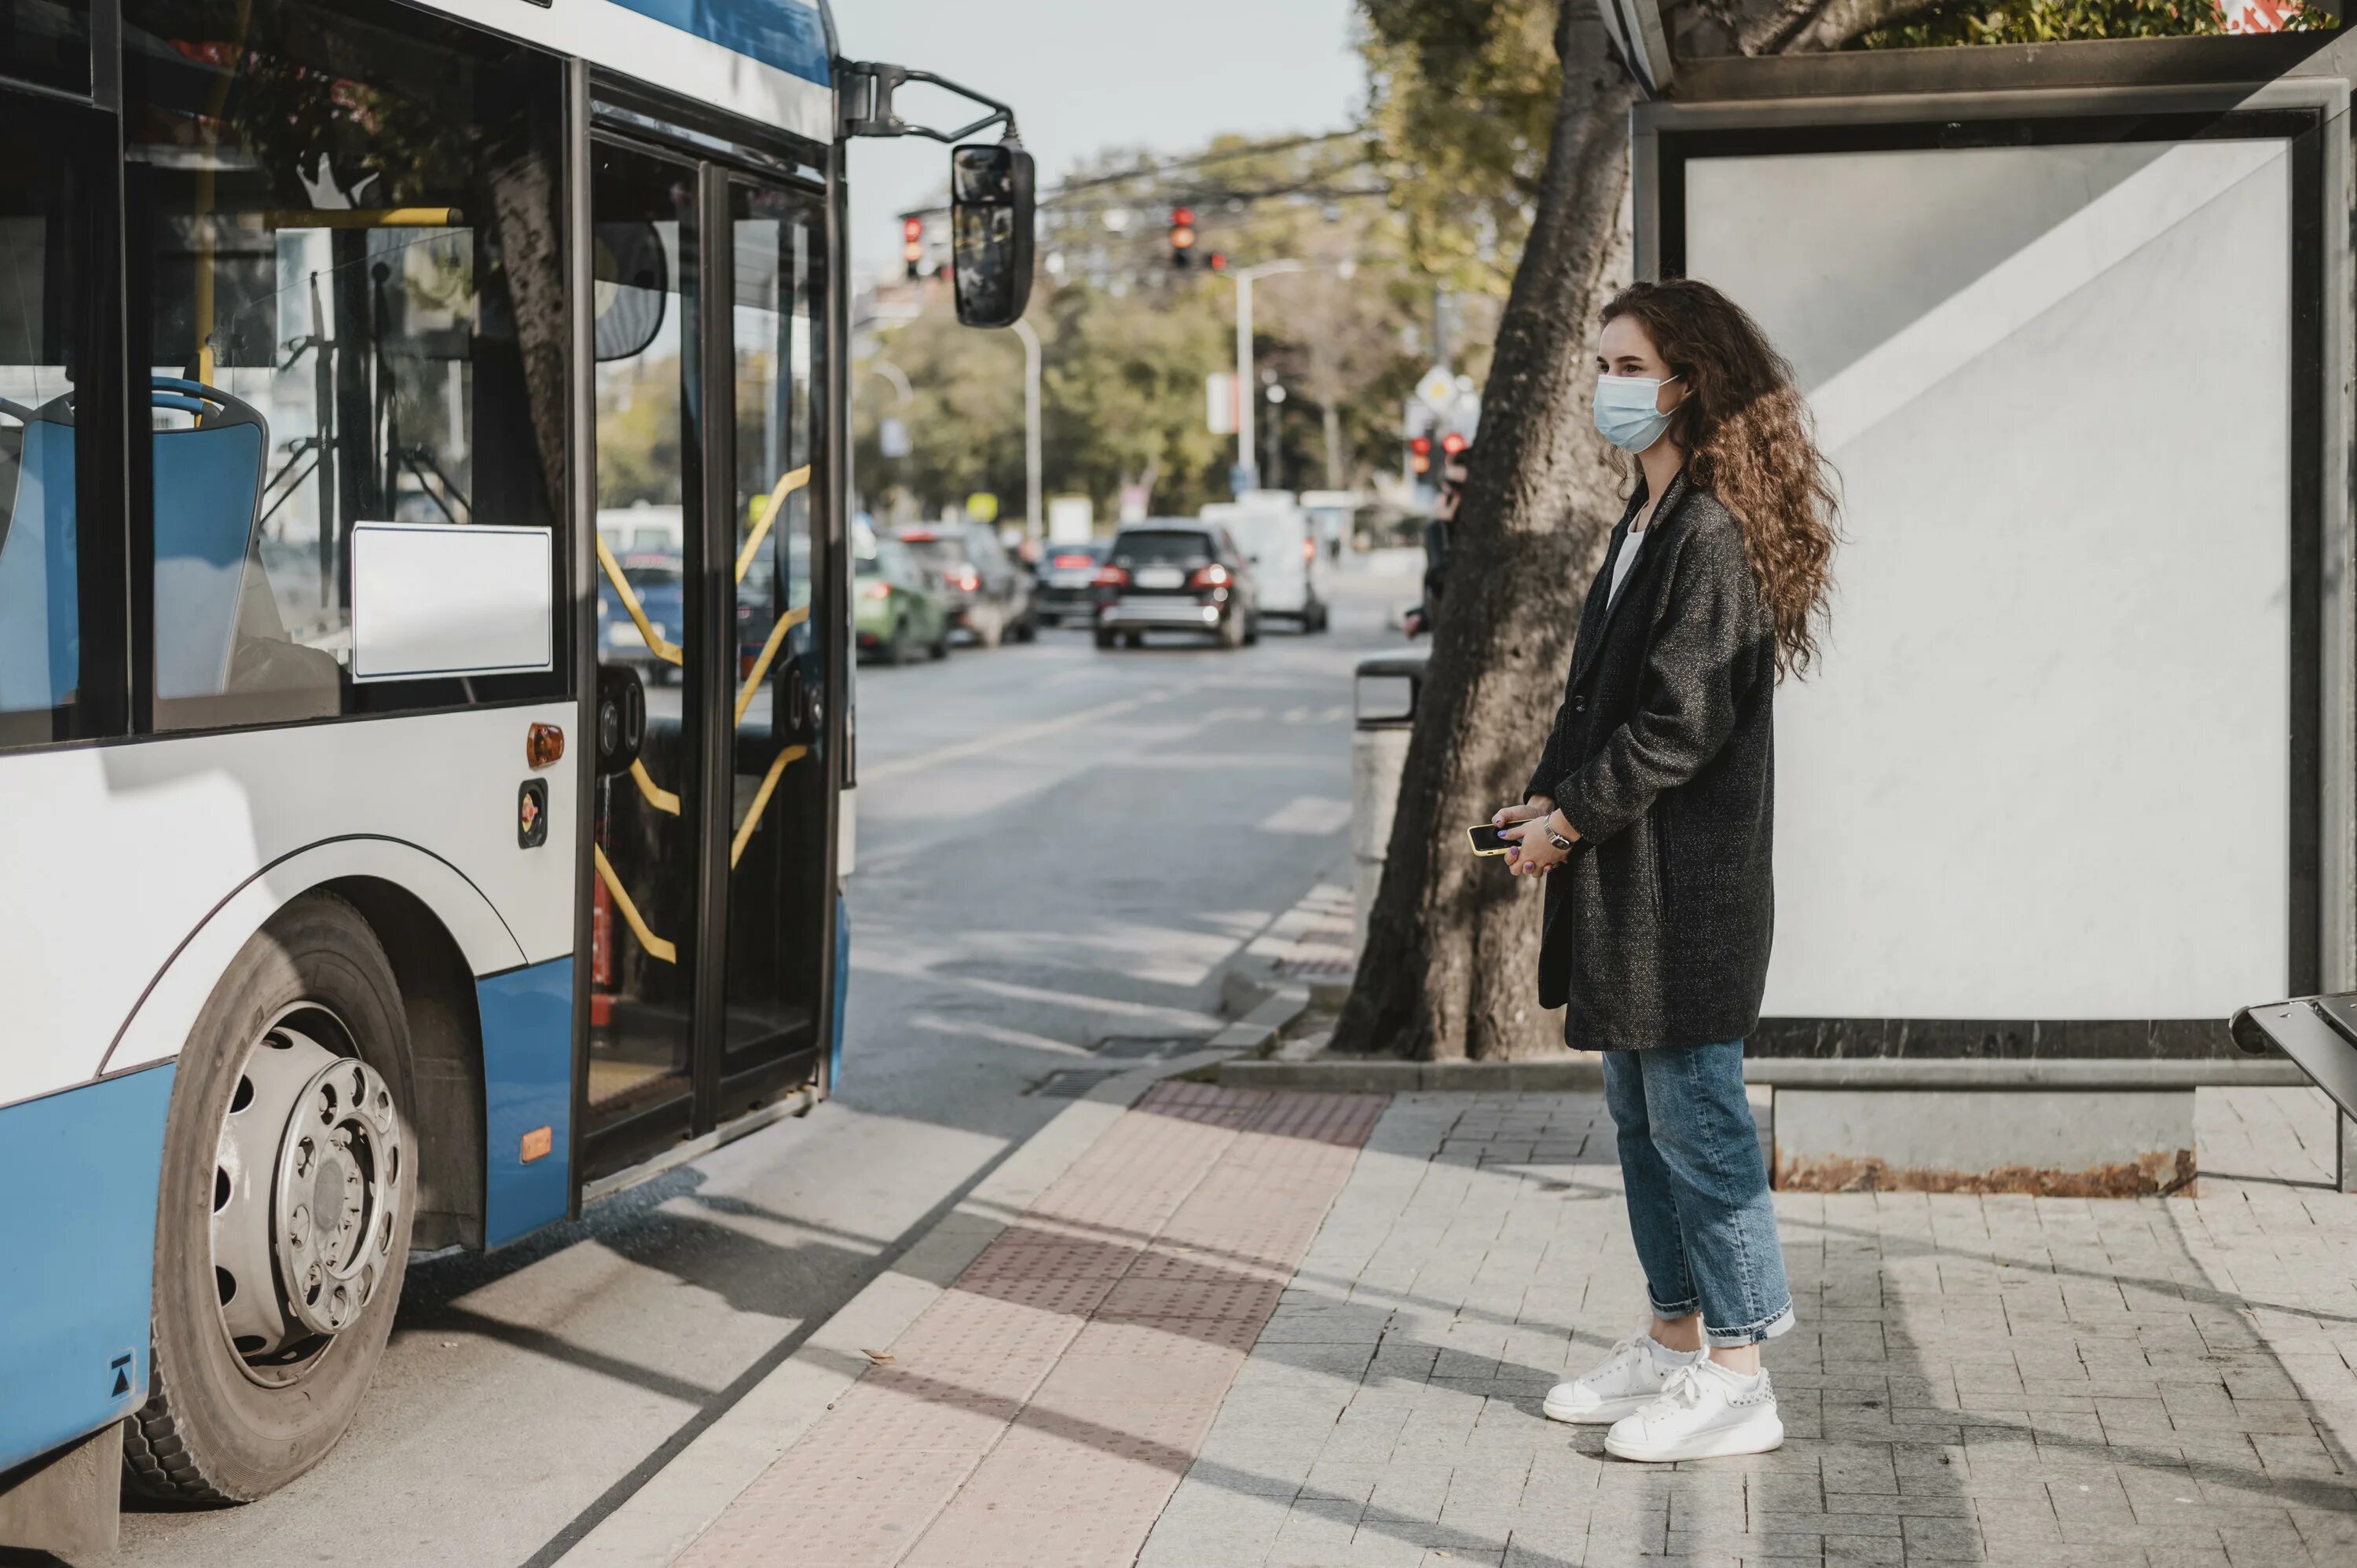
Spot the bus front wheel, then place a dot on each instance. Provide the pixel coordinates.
(282, 1227)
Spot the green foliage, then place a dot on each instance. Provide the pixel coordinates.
(1121, 399)
(2057, 21)
(1461, 100)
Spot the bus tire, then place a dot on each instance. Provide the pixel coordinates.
(226, 1422)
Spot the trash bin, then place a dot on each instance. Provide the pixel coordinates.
(1384, 698)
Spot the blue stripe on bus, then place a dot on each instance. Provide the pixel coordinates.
(787, 34)
(77, 1241)
(527, 1017)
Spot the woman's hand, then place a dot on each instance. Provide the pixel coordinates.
(1535, 852)
(1507, 816)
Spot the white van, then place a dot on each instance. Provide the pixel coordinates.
(1275, 537)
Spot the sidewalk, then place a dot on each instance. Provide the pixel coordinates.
(1248, 1326)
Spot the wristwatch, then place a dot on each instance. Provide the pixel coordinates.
(1560, 841)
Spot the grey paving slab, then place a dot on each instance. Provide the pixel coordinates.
(2006, 1380)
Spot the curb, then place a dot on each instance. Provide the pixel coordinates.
(663, 1518)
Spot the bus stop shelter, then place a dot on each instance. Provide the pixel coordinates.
(2075, 776)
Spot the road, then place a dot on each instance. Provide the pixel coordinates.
(1058, 848)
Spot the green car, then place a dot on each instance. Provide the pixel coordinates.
(896, 611)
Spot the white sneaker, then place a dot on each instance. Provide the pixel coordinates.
(1627, 1381)
(1704, 1412)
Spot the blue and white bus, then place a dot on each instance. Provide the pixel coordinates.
(358, 897)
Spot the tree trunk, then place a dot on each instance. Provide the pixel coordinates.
(1451, 961)
(1452, 943)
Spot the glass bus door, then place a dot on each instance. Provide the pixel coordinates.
(709, 937)
(776, 941)
(647, 249)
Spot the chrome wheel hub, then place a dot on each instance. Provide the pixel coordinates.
(306, 1188)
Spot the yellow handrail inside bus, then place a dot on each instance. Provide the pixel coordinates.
(353, 217)
(787, 483)
(657, 949)
(661, 798)
(746, 829)
(786, 623)
(669, 652)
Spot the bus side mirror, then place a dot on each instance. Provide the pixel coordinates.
(621, 718)
(990, 232)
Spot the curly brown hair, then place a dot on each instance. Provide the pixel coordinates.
(1749, 440)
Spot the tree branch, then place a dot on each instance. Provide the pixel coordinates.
(1824, 25)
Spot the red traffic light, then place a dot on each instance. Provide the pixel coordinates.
(1452, 444)
(1421, 445)
(1182, 218)
(1218, 261)
(913, 227)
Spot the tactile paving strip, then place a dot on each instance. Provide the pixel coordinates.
(1040, 1412)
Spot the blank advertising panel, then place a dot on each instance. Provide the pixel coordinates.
(438, 599)
(2043, 771)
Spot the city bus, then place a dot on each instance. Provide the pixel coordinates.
(359, 895)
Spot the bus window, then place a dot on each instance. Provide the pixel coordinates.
(344, 229)
(49, 44)
(47, 569)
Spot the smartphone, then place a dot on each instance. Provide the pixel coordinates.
(1486, 839)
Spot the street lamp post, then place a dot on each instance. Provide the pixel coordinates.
(1243, 277)
(1032, 524)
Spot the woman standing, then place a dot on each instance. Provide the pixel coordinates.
(1653, 807)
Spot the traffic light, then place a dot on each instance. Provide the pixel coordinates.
(1452, 445)
(1419, 453)
(1182, 237)
(912, 246)
(1218, 261)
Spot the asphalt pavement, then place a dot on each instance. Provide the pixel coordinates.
(1058, 848)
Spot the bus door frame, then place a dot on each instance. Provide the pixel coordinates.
(601, 102)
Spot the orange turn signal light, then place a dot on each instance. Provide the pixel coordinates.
(543, 745)
(538, 1144)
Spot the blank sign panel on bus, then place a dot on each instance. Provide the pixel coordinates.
(438, 599)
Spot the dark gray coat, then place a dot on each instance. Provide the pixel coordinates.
(1663, 756)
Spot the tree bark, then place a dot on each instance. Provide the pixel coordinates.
(1452, 943)
(1451, 961)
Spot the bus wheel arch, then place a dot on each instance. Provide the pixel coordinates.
(228, 1421)
(445, 1052)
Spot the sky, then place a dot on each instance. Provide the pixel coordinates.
(1086, 75)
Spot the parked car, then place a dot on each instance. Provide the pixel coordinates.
(1281, 546)
(989, 594)
(1176, 575)
(896, 606)
(1068, 580)
(655, 578)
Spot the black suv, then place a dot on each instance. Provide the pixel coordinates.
(1173, 575)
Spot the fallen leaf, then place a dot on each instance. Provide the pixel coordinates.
(878, 1357)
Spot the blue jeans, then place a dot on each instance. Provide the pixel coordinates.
(1698, 1202)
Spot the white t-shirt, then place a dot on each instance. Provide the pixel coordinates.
(1635, 541)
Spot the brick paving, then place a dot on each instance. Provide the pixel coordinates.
(1230, 1334)
(2001, 1380)
(1043, 1410)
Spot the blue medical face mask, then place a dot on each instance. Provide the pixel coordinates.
(1626, 415)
